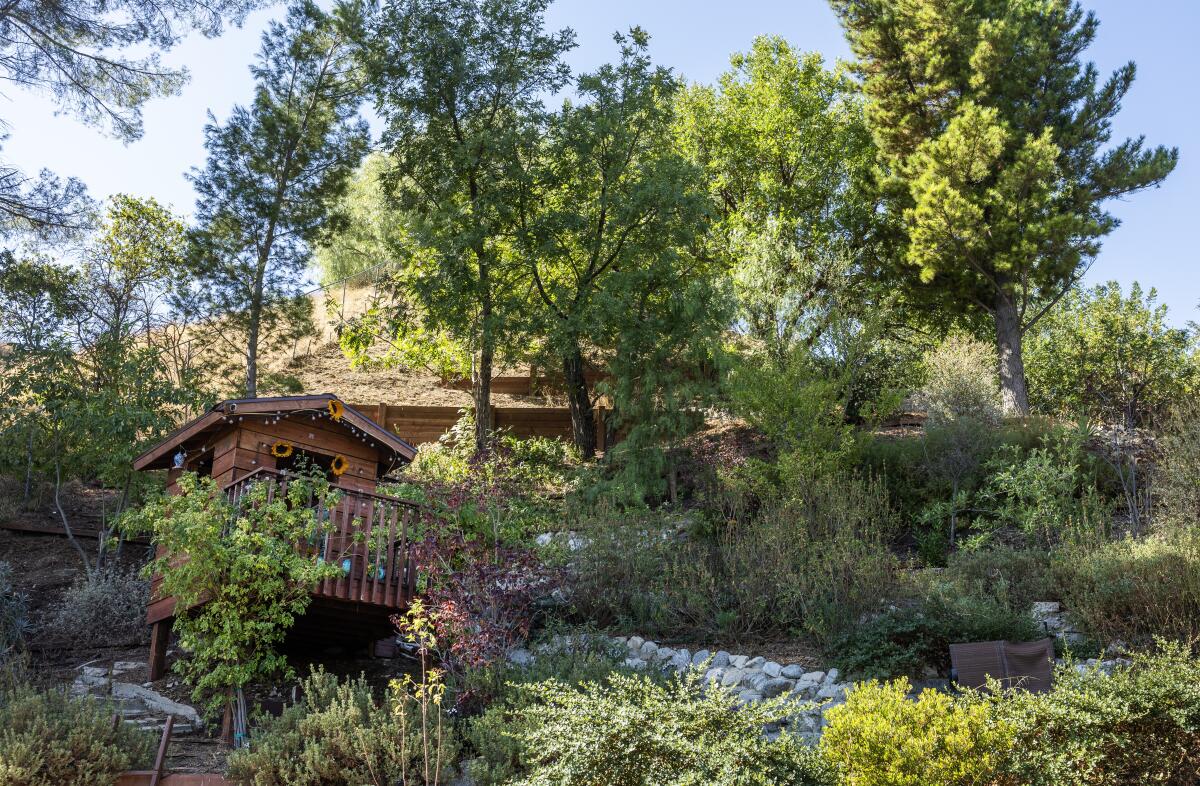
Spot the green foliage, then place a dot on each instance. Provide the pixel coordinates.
(274, 172)
(1048, 494)
(339, 734)
(108, 608)
(368, 227)
(1139, 725)
(1111, 358)
(960, 383)
(458, 172)
(611, 222)
(787, 152)
(1132, 590)
(14, 607)
(48, 738)
(881, 738)
(904, 642)
(1015, 577)
(812, 560)
(237, 576)
(495, 735)
(630, 731)
(797, 406)
(998, 191)
(1177, 483)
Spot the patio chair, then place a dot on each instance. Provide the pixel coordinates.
(1025, 665)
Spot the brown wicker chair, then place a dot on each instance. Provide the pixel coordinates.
(1025, 665)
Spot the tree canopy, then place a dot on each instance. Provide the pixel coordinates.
(994, 136)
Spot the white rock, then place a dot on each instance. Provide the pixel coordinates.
(1043, 607)
(635, 663)
(664, 653)
(832, 691)
(720, 659)
(738, 661)
(701, 656)
(732, 677)
(775, 687)
(792, 672)
(749, 697)
(772, 669)
(681, 661)
(814, 676)
(155, 702)
(831, 676)
(520, 657)
(755, 663)
(635, 643)
(648, 650)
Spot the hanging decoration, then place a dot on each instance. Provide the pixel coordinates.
(281, 449)
(336, 409)
(339, 465)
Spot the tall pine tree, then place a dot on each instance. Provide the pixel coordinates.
(994, 135)
(274, 172)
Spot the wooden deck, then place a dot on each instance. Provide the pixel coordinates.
(369, 542)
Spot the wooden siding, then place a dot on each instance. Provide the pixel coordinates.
(427, 424)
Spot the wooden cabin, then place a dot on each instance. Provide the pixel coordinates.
(245, 441)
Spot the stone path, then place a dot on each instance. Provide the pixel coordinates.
(140, 706)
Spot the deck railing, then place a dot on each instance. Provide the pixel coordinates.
(367, 538)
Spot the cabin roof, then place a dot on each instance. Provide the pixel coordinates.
(158, 457)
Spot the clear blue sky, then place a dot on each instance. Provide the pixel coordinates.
(1154, 245)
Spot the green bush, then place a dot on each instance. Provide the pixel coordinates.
(1133, 590)
(905, 642)
(338, 734)
(881, 738)
(1015, 577)
(632, 731)
(494, 735)
(1178, 481)
(108, 608)
(961, 382)
(1139, 726)
(812, 561)
(49, 739)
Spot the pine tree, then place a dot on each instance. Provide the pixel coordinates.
(274, 171)
(994, 136)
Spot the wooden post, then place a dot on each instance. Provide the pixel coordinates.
(381, 414)
(160, 637)
(160, 760)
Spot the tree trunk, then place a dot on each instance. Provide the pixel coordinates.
(1013, 394)
(481, 392)
(579, 401)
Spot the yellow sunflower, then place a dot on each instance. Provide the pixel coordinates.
(336, 409)
(339, 465)
(281, 449)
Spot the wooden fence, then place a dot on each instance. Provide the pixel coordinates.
(427, 424)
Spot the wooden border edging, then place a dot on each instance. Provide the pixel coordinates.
(143, 778)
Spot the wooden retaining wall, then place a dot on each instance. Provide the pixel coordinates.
(417, 425)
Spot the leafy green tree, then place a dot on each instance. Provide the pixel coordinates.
(372, 230)
(610, 205)
(787, 152)
(994, 137)
(459, 85)
(77, 51)
(1111, 357)
(274, 171)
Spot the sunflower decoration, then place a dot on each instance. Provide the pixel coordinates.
(336, 409)
(339, 465)
(282, 449)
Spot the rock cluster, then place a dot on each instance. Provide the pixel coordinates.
(1054, 621)
(139, 705)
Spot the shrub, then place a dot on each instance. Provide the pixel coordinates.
(1048, 494)
(904, 642)
(49, 739)
(107, 608)
(1133, 590)
(1141, 725)
(1178, 482)
(961, 382)
(632, 731)
(13, 609)
(1015, 577)
(338, 734)
(881, 738)
(1110, 357)
(495, 734)
(813, 561)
